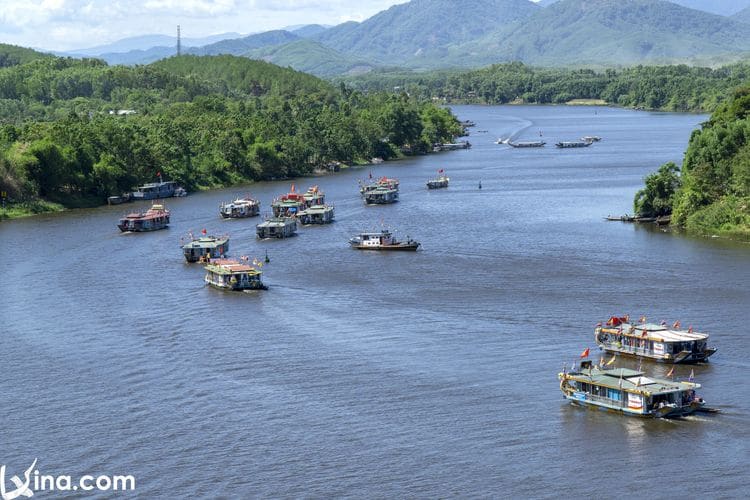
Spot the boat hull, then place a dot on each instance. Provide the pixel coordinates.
(665, 412)
(405, 247)
(127, 228)
(237, 287)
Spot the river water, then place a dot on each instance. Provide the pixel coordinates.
(428, 374)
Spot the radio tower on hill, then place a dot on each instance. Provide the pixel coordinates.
(179, 42)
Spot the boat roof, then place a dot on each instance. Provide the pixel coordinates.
(157, 184)
(230, 266)
(660, 333)
(632, 380)
(205, 241)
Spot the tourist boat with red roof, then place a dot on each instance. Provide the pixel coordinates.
(153, 219)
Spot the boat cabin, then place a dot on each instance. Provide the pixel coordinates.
(629, 391)
(153, 190)
(227, 274)
(317, 214)
(277, 227)
(657, 342)
(205, 248)
(240, 208)
(381, 196)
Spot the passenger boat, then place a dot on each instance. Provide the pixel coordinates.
(277, 227)
(630, 392)
(383, 182)
(205, 248)
(381, 196)
(314, 196)
(228, 274)
(317, 214)
(153, 190)
(290, 204)
(382, 240)
(441, 181)
(573, 144)
(155, 218)
(657, 342)
(591, 138)
(240, 208)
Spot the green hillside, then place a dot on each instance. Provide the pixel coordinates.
(311, 57)
(202, 121)
(408, 30)
(11, 55)
(712, 194)
(609, 33)
(240, 46)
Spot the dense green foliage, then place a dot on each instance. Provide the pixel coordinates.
(714, 195)
(673, 88)
(655, 200)
(311, 57)
(11, 55)
(202, 121)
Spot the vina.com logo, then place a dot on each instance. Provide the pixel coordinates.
(33, 482)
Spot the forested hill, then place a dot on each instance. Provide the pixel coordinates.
(712, 194)
(202, 121)
(410, 29)
(11, 55)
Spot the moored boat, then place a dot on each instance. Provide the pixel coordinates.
(153, 219)
(657, 342)
(228, 274)
(382, 240)
(317, 214)
(153, 190)
(629, 392)
(240, 208)
(441, 181)
(205, 248)
(591, 138)
(277, 227)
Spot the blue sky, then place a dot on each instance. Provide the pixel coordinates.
(71, 24)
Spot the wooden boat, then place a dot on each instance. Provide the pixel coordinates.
(228, 274)
(629, 392)
(155, 218)
(573, 144)
(317, 214)
(277, 227)
(383, 182)
(441, 181)
(240, 208)
(292, 203)
(381, 196)
(651, 341)
(526, 144)
(382, 240)
(620, 218)
(154, 190)
(314, 196)
(205, 248)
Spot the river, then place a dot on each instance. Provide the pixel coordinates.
(427, 374)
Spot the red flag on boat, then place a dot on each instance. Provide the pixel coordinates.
(585, 353)
(645, 333)
(203, 231)
(158, 174)
(676, 324)
(690, 330)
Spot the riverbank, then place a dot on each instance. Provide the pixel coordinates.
(29, 208)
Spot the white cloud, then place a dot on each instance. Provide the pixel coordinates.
(68, 24)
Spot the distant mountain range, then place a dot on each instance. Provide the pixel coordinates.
(720, 7)
(429, 34)
(743, 15)
(146, 42)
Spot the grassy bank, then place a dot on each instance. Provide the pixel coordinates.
(26, 209)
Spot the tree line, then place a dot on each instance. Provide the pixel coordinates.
(711, 193)
(202, 121)
(667, 88)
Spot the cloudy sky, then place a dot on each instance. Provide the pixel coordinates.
(71, 24)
